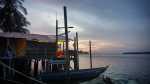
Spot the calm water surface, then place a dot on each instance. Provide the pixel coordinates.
(124, 69)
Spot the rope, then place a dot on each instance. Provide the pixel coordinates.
(31, 78)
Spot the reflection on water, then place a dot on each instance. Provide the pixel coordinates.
(124, 69)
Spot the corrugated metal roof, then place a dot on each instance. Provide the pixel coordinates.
(38, 37)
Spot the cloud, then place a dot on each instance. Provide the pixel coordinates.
(112, 25)
(101, 46)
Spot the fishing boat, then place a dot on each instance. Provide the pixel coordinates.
(73, 75)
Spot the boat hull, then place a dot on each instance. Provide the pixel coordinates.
(80, 75)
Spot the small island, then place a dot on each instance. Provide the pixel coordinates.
(79, 52)
(83, 52)
(147, 52)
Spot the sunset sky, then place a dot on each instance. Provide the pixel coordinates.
(112, 25)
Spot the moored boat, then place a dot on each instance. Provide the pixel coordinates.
(72, 75)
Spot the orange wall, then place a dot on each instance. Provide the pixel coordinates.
(21, 45)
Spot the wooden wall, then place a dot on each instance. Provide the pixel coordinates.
(17, 45)
(39, 50)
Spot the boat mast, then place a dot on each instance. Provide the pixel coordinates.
(90, 54)
(67, 57)
(56, 34)
(76, 60)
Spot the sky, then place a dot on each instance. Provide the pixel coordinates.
(113, 26)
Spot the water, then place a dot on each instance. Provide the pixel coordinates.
(124, 69)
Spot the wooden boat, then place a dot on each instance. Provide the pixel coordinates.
(73, 75)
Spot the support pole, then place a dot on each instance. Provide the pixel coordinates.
(76, 57)
(90, 54)
(56, 34)
(63, 46)
(77, 40)
(43, 64)
(75, 54)
(67, 57)
(35, 67)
